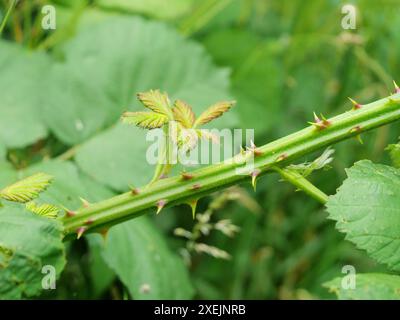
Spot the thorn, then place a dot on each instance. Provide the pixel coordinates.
(196, 186)
(254, 176)
(89, 221)
(253, 148)
(104, 234)
(80, 231)
(85, 203)
(163, 176)
(358, 136)
(134, 191)
(356, 105)
(193, 205)
(160, 205)
(281, 157)
(186, 176)
(355, 129)
(320, 124)
(396, 87)
(70, 213)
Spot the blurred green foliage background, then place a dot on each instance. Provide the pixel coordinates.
(281, 61)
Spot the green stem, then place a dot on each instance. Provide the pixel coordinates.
(10, 8)
(303, 184)
(176, 190)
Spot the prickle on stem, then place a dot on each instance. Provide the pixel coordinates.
(254, 176)
(70, 213)
(85, 203)
(358, 136)
(253, 148)
(186, 176)
(356, 105)
(160, 205)
(80, 231)
(134, 191)
(196, 186)
(281, 157)
(320, 123)
(193, 206)
(396, 87)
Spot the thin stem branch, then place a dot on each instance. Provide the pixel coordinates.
(302, 183)
(10, 9)
(279, 153)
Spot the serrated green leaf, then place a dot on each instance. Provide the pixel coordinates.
(28, 243)
(367, 209)
(145, 120)
(138, 254)
(26, 189)
(44, 210)
(394, 151)
(373, 286)
(155, 101)
(184, 114)
(214, 112)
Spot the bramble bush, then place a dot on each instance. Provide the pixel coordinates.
(84, 213)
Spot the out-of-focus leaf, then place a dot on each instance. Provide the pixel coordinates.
(367, 209)
(117, 157)
(101, 275)
(160, 9)
(138, 254)
(373, 286)
(27, 244)
(22, 87)
(257, 78)
(108, 63)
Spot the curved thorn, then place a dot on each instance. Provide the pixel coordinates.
(254, 176)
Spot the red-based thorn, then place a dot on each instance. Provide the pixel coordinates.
(160, 205)
(356, 105)
(80, 231)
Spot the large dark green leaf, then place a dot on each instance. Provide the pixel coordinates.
(27, 244)
(367, 209)
(138, 254)
(21, 83)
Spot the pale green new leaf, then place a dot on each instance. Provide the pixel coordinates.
(184, 114)
(155, 101)
(145, 120)
(368, 286)
(214, 112)
(45, 210)
(26, 189)
(367, 209)
(140, 257)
